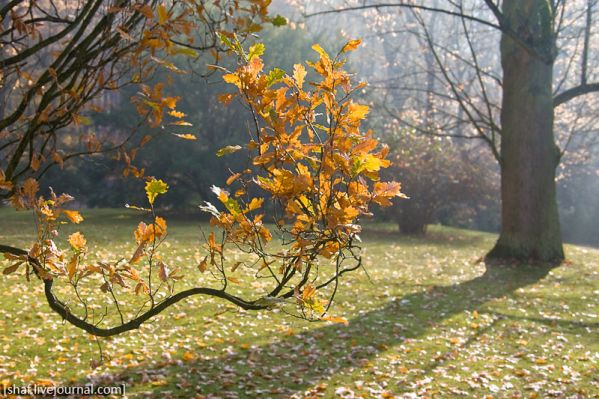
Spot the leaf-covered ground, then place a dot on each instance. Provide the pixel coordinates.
(426, 321)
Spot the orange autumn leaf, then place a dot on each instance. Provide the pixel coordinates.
(176, 114)
(232, 178)
(73, 216)
(72, 266)
(336, 319)
(30, 187)
(352, 45)
(77, 241)
(357, 112)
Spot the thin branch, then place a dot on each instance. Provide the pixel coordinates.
(574, 92)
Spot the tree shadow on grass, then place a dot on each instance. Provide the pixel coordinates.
(294, 364)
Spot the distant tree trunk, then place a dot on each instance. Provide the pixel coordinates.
(530, 227)
(412, 218)
(412, 227)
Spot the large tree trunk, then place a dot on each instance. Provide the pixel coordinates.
(529, 156)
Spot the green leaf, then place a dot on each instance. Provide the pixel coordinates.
(186, 51)
(226, 41)
(155, 187)
(230, 149)
(232, 206)
(233, 45)
(279, 20)
(274, 76)
(256, 50)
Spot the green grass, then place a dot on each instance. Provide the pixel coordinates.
(426, 320)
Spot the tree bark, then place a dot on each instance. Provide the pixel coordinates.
(530, 229)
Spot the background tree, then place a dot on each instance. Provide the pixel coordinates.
(60, 57)
(442, 179)
(531, 32)
(190, 167)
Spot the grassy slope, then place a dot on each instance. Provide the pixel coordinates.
(427, 320)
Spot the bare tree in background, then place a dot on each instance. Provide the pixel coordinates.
(548, 59)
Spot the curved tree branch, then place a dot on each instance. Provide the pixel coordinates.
(57, 306)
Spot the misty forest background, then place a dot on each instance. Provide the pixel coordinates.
(447, 171)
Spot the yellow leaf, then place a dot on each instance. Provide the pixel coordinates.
(320, 50)
(77, 241)
(299, 73)
(351, 45)
(255, 203)
(232, 79)
(155, 187)
(256, 50)
(176, 114)
(186, 51)
(186, 136)
(188, 356)
(170, 102)
(228, 150)
(357, 112)
(162, 14)
(74, 216)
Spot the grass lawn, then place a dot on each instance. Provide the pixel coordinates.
(426, 321)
